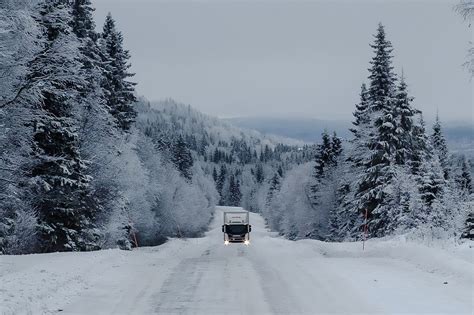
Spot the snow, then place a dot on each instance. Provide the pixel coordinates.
(272, 275)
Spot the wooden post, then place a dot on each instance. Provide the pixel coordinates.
(365, 229)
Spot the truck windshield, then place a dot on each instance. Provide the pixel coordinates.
(236, 229)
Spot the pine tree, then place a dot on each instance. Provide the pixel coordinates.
(119, 92)
(59, 184)
(440, 147)
(182, 158)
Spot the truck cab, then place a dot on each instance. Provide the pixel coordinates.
(236, 227)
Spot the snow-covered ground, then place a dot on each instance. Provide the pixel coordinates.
(272, 275)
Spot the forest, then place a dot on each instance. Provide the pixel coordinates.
(87, 164)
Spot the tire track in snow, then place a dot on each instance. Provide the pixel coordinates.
(179, 289)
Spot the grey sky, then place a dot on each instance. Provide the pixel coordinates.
(235, 58)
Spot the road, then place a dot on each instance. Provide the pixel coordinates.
(271, 276)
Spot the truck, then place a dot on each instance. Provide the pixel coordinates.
(236, 227)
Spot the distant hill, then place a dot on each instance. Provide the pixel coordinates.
(460, 136)
(306, 129)
(186, 120)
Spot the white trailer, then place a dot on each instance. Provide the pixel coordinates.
(236, 227)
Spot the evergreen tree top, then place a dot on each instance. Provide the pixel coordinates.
(381, 76)
(83, 21)
(109, 25)
(361, 109)
(437, 126)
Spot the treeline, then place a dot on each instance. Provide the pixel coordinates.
(75, 172)
(393, 175)
(240, 162)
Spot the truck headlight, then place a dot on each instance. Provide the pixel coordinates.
(226, 243)
(247, 242)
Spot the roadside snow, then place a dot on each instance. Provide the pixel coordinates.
(272, 275)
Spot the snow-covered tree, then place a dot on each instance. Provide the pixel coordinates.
(432, 181)
(221, 181)
(336, 148)
(235, 194)
(464, 178)
(119, 91)
(18, 45)
(324, 155)
(362, 128)
(275, 184)
(182, 158)
(404, 113)
(259, 175)
(383, 141)
(440, 148)
(361, 113)
(58, 183)
(420, 146)
(468, 231)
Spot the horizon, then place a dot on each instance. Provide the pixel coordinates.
(296, 116)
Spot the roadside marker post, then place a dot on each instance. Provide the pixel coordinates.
(365, 229)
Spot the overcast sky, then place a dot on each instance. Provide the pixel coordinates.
(279, 58)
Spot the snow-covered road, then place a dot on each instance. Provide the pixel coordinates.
(271, 276)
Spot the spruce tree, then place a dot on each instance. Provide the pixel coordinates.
(60, 187)
(469, 227)
(182, 158)
(404, 113)
(95, 134)
(382, 78)
(83, 21)
(275, 185)
(324, 155)
(432, 182)
(235, 194)
(440, 147)
(259, 175)
(221, 181)
(280, 171)
(464, 178)
(92, 60)
(382, 142)
(362, 129)
(336, 148)
(420, 148)
(215, 176)
(119, 92)
(361, 114)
